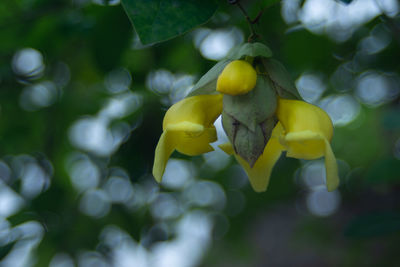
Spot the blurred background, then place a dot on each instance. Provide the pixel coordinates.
(81, 109)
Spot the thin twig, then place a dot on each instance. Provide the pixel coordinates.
(250, 22)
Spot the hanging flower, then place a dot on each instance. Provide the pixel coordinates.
(261, 115)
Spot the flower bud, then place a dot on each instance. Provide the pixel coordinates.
(248, 119)
(246, 143)
(238, 78)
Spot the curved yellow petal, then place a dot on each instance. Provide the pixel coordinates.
(188, 127)
(166, 145)
(304, 145)
(308, 130)
(193, 145)
(202, 110)
(306, 127)
(331, 168)
(260, 173)
(227, 148)
(299, 116)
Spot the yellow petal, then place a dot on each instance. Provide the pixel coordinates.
(227, 148)
(308, 130)
(299, 116)
(332, 176)
(260, 173)
(166, 145)
(202, 110)
(306, 127)
(188, 127)
(193, 145)
(304, 145)
(238, 77)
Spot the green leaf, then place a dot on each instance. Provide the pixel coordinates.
(250, 49)
(160, 20)
(281, 79)
(208, 83)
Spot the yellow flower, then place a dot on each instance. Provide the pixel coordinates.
(304, 131)
(249, 117)
(238, 78)
(188, 127)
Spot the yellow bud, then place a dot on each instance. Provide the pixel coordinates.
(237, 78)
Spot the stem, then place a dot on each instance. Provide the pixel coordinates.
(253, 33)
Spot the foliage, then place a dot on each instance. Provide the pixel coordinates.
(157, 20)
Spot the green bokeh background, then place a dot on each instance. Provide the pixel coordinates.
(274, 228)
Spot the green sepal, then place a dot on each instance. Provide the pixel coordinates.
(254, 107)
(281, 80)
(246, 143)
(251, 50)
(248, 119)
(208, 82)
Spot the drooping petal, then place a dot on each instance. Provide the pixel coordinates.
(188, 127)
(308, 130)
(260, 173)
(306, 127)
(185, 142)
(166, 145)
(332, 176)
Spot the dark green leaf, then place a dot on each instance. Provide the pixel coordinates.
(208, 83)
(160, 20)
